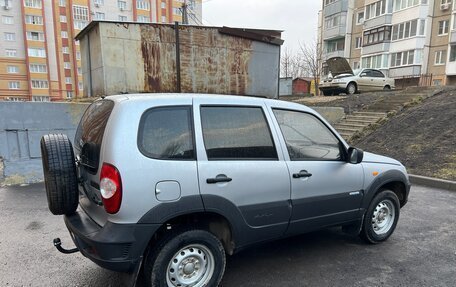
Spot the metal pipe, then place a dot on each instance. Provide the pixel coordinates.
(178, 65)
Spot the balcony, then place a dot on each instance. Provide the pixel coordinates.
(378, 21)
(335, 32)
(376, 48)
(408, 71)
(336, 7)
(453, 36)
(328, 55)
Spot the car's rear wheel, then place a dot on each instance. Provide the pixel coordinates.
(186, 258)
(381, 217)
(327, 93)
(387, 88)
(60, 176)
(351, 88)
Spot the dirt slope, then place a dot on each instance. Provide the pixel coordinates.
(422, 137)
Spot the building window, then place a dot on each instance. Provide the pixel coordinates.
(11, 53)
(32, 19)
(67, 80)
(122, 5)
(443, 27)
(37, 52)
(177, 11)
(38, 68)
(142, 5)
(375, 9)
(379, 35)
(445, 2)
(40, 84)
(453, 53)
(35, 36)
(404, 4)
(402, 58)
(80, 16)
(99, 3)
(79, 71)
(99, 16)
(62, 3)
(14, 85)
(32, 3)
(358, 42)
(163, 5)
(12, 69)
(65, 50)
(334, 46)
(375, 62)
(78, 55)
(69, 94)
(63, 18)
(9, 36)
(7, 20)
(360, 18)
(327, 2)
(405, 30)
(64, 34)
(334, 21)
(143, 19)
(163, 19)
(440, 57)
(41, 98)
(80, 86)
(123, 18)
(66, 65)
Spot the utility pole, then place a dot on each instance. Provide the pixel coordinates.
(184, 13)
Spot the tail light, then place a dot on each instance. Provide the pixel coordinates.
(110, 188)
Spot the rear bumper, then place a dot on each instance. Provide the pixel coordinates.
(117, 247)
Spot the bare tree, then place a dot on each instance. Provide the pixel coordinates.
(310, 61)
(291, 64)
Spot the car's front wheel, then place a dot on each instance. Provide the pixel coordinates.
(186, 258)
(351, 89)
(381, 217)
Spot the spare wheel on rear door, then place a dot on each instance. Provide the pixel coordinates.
(60, 176)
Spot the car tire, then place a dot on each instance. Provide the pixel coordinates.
(387, 88)
(351, 88)
(60, 176)
(381, 217)
(326, 93)
(187, 257)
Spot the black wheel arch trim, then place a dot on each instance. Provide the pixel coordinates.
(383, 179)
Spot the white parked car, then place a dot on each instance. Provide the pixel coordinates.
(345, 80)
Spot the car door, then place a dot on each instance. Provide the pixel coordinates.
(242, 175)
(379, 80)
(367, 80)
(325, 189)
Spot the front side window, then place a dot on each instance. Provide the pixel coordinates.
(306, 137)
(167, 134)
(237, 133)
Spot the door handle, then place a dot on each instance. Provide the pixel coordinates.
(302, 173)
(218, 179)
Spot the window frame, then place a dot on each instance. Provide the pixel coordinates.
(342, 147)
(273, 140)
(191, 126)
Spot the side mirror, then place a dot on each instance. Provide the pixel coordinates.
(355, 155)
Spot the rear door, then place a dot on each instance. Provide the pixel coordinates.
(241, 173)
(379, 80)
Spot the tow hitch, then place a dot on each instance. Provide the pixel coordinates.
(58, 243)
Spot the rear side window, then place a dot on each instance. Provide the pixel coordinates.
(89, 134)
(237, 133)
(166, 133)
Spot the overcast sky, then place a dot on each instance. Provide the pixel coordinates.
(298, 18)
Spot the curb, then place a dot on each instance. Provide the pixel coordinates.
(433, 182)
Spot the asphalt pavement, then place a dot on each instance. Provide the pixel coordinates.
(421, 252)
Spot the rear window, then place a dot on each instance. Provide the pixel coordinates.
(167, 133)
(89, 134)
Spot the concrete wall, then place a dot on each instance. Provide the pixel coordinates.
(21, 127)
(331, 114)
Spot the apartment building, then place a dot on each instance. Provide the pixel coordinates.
(409, 40)
(39, 58)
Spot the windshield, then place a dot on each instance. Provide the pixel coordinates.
(357, 71)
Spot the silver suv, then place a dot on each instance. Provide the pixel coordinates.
(175, 182)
